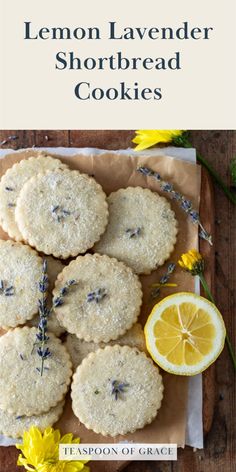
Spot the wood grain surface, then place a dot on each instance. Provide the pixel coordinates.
(218, 147)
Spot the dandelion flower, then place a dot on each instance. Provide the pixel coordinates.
(40, 452)
(148, 138)
(192, 262)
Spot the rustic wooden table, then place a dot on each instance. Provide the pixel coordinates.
(218, 147)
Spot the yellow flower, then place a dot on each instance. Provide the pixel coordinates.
(164, 285)
(192, 262)
(149, 137)
(41, 452)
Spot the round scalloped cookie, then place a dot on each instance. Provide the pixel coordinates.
(141, 230)
(11, 184)
(14, 426)
(23, 390)
(20, 271)
(62, 213)
(104, 303)
(116, 390)
(79, 349)
(54, 267)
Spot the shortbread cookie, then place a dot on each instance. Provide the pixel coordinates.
(116, 390)
(62, 213)
(23, 390)
(14, 426)
(11, 184)
(104, 303)
(20, 271)
(54, 267)
(141, 230)
(79, 349)
(134, 337)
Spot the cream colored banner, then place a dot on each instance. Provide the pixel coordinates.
(122, 64)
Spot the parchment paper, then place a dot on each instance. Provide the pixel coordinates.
(114, 170)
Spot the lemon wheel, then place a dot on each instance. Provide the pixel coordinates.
(185, 333)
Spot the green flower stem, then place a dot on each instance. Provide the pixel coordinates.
(212, 171)
(210, 297)
(206, 288)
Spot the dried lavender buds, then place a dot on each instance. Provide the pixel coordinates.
(8, 291)
(185, 204)
(59, 300)
(59, 213)
(133, 232)
(117, 388)
(163, 281)
(9, 189)
(97, 295)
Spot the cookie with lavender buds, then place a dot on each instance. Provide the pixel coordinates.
(79, 349)
(11, 184)
(54, 267)
(14, 426)
(141, 229)
(104, 303)
(23, 390)
(62, 213)
(116, 390)
(20, 270)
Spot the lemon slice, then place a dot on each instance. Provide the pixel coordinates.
(185, 333)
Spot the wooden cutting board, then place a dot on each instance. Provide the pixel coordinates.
(8, 455)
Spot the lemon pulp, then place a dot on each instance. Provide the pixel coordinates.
(184, 333)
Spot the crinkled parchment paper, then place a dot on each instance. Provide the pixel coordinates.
(181, 406)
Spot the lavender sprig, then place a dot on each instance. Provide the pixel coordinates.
(185, 204)
(59, 300)
(118, 388)
(44, 312)
(42, 338)
(8, 140)
(163, 281)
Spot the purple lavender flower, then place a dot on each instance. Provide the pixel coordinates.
(163, 280)
(146, 171)
(185, 204)
(166, 187)
(118, 388)
(97, 295)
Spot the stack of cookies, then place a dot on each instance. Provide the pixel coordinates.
(54, 213)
